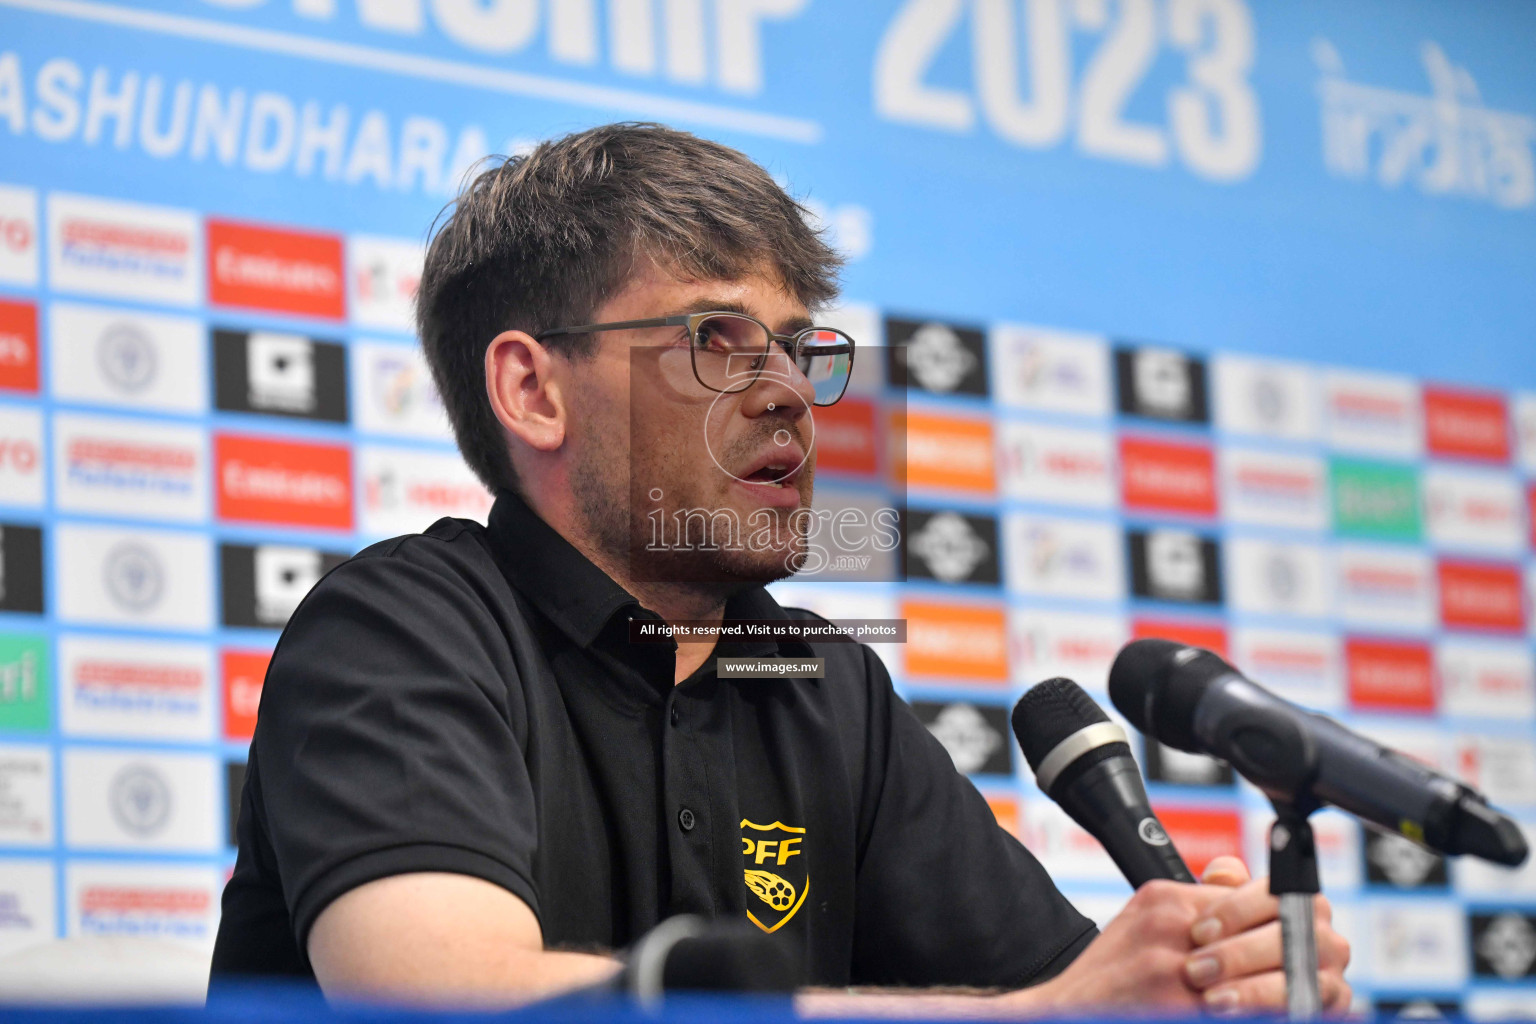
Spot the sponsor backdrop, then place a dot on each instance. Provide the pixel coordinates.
(1217, 325)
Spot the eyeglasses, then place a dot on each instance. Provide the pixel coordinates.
(730, 351)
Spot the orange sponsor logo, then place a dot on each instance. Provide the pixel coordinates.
(950, 453)
(1006, 810)
(290, 483)
(18, 346)
(967, 641)
(1194, 634)
(1481, 596)
(1390, 676)
(1202, 834)
(1468, 424)
(244, 672)
(1163, 476)
(256, 267)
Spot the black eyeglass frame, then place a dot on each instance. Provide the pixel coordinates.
(790, 343)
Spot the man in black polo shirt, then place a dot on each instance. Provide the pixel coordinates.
(467, 784)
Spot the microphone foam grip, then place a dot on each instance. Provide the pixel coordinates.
(1156, 684)
(1049, 713)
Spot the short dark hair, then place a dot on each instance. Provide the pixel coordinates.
(541, 240)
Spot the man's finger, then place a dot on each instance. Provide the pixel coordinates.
(1255, 952)
(1225, 870)
(1244, 908)
(1267, 992)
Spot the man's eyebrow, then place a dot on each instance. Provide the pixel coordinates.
(707, 305)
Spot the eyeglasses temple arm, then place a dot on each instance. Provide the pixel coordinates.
(618, 325)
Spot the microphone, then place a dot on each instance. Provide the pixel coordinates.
(1192, 700)
(1082, 761)
(693, 954)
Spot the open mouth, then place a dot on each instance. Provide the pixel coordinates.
(774, 475)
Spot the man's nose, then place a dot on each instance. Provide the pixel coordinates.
(780, 389)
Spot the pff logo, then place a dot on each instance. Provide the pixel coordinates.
(777, 882)
(140, 800)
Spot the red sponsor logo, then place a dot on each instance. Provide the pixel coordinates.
(845, 438)
(1202, 834)
(291, 483)
(1468, 424)
(1390, 676)
(1162, 476)
(18, 346)
(1195, 634)
(244, 672)
(266, 268)
(1481, 596)
(115, 899)
(94, 673)
(1530, 517)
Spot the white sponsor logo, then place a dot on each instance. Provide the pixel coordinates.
(280, 372)
(1476, 877)
(1267, 489)
(1489, 1006)
(1073, 645)
(1424, 744)
(1525, 430)
(137, 578)
(1279, 578)
(1508, 945)
(26, 795)
(1059, 465)
(1467, 508)
(948, 546)
(1064, 558)
(393, 392)
(18, 235)
(967, 735)
(937, 358)
(1176, 570)
(135, 799)
(1063, 847)
(1306, 668)
(1052, 370)
(268, 271)
(1338, 845)
(862, 323)
(168, 902)
(26, 904)
(130, 468)
(1491, 679)
(1262, 396)
(1418, 943)
(21, 457)
(123, 357)
(1377, 413)
(1502, 767)
(124, 250)
(1163, 380)
(405, 490)
(283, 575)
(383, 275)
(136, 689)
(1379, 586)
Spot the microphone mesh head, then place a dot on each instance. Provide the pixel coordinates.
(1049, 713)
(1156, 685)
(1138, 672)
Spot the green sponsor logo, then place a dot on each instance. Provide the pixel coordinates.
(24, 702)
(1375, 499)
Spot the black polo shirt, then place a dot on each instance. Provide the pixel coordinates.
(467, 700)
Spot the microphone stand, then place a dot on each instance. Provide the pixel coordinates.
(1293, 878)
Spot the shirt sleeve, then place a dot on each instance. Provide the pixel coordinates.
(386, 741)
(945, 895)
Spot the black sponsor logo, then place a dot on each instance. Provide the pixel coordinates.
(1504, 944)
(1392, 860)
(280, 375)
(234, 785)
(21, 568)
(951, 547)
(264, 583)
(1179, 768)
(1175, 565)
(936, 356)
(1421, 1008)
(976, 735)
(1162, 384)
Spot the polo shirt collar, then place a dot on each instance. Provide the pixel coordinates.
(580, 598)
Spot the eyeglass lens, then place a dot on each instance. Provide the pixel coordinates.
(729, 353)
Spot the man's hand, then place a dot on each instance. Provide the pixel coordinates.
(1177, 946)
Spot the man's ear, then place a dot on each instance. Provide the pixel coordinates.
(524, 394)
